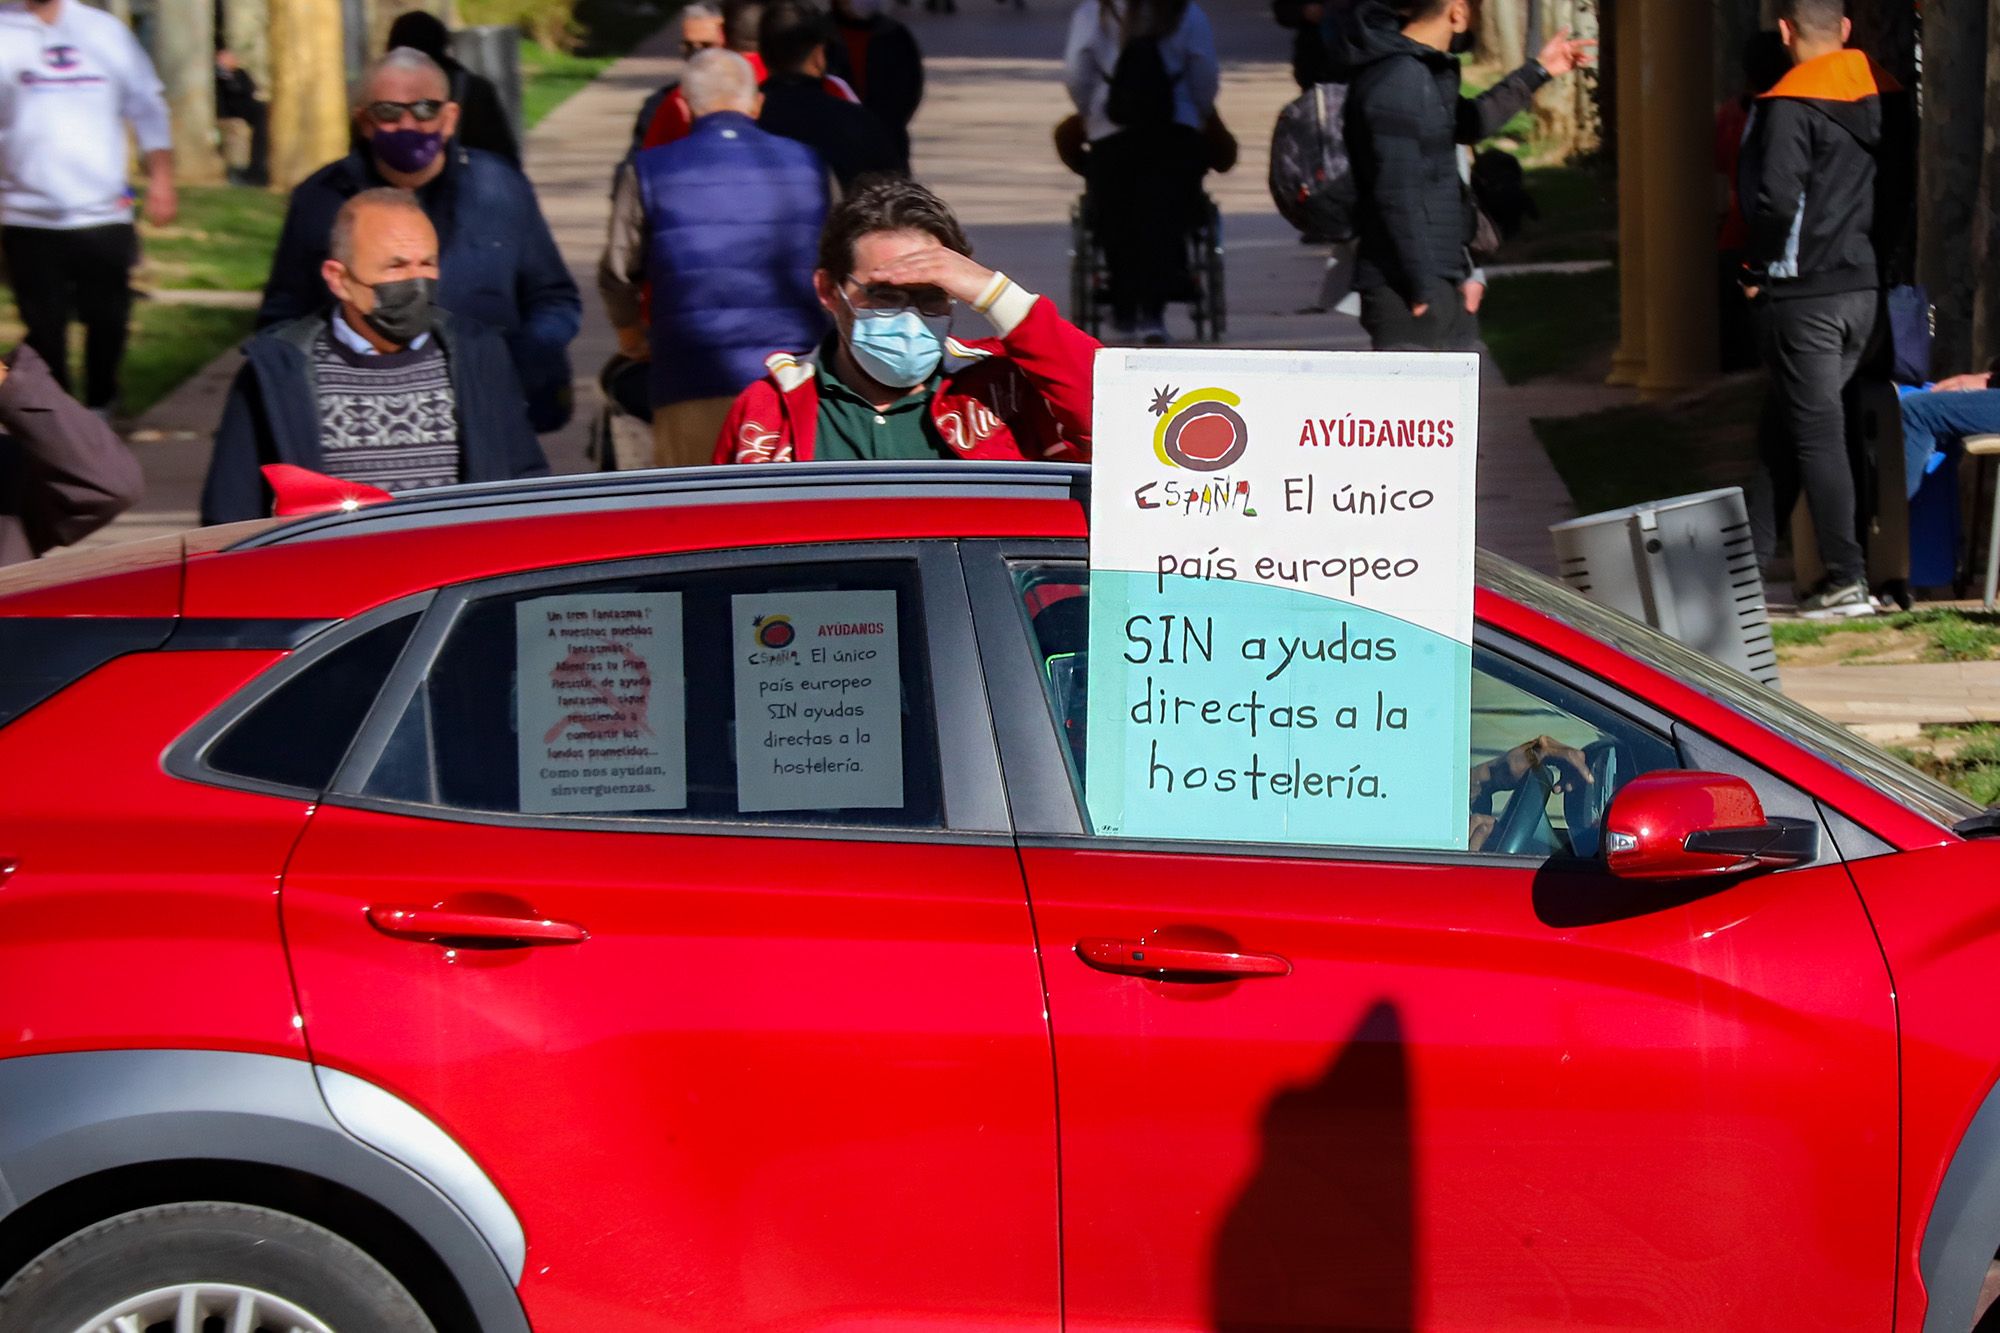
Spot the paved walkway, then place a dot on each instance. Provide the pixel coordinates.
(983, 140)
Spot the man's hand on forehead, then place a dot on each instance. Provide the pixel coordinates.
(932, 267)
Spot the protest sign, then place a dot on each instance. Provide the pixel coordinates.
(601, 703)
(819, 704)
(1281, 559)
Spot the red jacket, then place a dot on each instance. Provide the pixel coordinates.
(1023, 395)
(672, 121)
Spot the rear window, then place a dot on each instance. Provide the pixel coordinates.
(39, 656)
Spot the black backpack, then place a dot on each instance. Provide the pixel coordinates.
(1142, 91)
(1312, 177)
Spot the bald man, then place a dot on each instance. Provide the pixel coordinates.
(724, 225)
(380, 386)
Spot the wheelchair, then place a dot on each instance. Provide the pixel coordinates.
(1203, 290)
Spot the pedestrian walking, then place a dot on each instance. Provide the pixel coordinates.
(664, 116)
(878, 56)
(1405, 119)
(723, 225)
(378, 385)
(236, 99)
(483, 119)
(851, 139)
(72, 78)
(64, 473)
(898, 378)
(1809, 191)
(1143, 75)
(500, 263)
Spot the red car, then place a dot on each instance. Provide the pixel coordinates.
(432, 917)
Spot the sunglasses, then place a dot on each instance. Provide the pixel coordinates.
(884, 302)
(388, 113)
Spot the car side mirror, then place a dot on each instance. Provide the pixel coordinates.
(1690, 825)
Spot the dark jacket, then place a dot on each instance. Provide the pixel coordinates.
(879, 58)
(1405, 119)
(1809, 179)
(483, 121)
(272, 415)
(498, 263)
(732, 218)
(851, 139)
(63, 473)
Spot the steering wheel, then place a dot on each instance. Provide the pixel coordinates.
(1525, 829)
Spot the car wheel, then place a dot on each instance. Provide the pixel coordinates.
(203, 1268)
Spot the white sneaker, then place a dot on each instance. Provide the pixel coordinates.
(1837, 603)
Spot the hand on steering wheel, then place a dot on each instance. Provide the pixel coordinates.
(1531, 772)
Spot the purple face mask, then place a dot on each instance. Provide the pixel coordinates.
(407, 151)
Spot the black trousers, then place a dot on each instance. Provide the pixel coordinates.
(1446, 327)
(83, 273)
(1144, 188)
(257, 116)
(1812, 346)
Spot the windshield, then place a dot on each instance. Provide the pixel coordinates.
(1828, 740)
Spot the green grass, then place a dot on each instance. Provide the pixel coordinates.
(172, 342)
(221, 242)
(1628, 455)
(1949, 636)
(1539, 324)
(1966, 757)
(549, 78)
(1579, 219)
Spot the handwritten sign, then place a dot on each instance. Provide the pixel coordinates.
(601, 703)
(1281, 596)
(819, 712)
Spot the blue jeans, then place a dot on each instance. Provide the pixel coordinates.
(1931, 418)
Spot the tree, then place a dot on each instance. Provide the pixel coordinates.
(184, 55)
(1952, 141)
(1503, 26)
(308, 95)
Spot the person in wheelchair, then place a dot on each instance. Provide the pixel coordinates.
(1144, 76)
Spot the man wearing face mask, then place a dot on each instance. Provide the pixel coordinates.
(381, 387)
(500, 264)
(1405, 119)
(900, 377)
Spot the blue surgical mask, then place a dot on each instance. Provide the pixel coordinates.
(899, 350)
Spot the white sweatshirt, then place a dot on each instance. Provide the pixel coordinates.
(65, 88)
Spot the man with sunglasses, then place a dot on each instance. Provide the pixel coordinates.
(901, 377)
(498, 263)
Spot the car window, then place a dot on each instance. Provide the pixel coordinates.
(1545, 759)
(774, 694)
(298, 734)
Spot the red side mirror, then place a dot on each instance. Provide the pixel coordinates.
(1690, 825)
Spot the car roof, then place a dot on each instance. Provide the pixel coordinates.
(666, 487)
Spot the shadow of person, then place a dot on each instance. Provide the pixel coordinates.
(1323, 1234)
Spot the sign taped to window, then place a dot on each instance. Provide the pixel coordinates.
(819, 701)
(1281, 556)
(601, 703)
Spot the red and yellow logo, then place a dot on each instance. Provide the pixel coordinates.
(1200, 430)
(774, 631)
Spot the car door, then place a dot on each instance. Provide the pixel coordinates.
(1340, 1089)
(679, 893)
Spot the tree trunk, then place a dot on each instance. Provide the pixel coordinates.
(1952, 140)
(308, 92)
(1502, 33)
(184, 55)
(1986, 217)
(1566, 118)
(246, 30)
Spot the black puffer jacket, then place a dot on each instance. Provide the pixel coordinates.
(1405, 119)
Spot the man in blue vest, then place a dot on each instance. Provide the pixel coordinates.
(723, 228)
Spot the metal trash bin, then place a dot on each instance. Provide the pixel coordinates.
(494, 50)
(1685, 566)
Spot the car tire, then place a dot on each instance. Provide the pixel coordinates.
(225, 1254)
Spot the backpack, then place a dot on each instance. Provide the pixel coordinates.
(1142, 91)
(1312, 177)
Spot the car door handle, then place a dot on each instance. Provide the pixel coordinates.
(441, 927)
(1133, 958)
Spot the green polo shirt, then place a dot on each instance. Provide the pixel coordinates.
(851, 427)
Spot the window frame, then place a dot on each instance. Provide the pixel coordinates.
(969, 786)
(1049, 812)
(188, 757)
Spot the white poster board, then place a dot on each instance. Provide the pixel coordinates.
(1281, 555)
(601, 703)
(819, 709)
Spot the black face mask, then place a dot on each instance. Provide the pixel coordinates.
(1464, 43)
(402, 308)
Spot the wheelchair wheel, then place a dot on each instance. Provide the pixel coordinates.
(1214, 282)
(1084, 273)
